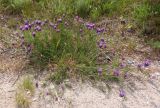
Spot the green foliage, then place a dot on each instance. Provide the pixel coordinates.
(50, 46)
(22, 101)
(155, 44)
(142, 12)
(83, 7)
(16, 6)
(27, 84)
(95, 14)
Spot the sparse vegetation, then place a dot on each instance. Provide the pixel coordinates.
(67, 38)
(27, 84)
(25, 90)
(22, 101)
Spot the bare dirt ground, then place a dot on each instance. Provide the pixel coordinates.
(142, 91)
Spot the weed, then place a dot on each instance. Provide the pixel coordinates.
(22, 101)
(27, 84)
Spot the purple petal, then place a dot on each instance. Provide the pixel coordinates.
(122, 93)
(116, 72)
(99, 71)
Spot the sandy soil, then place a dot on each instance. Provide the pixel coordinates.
(139, 93)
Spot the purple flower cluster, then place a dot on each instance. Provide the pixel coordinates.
(102, 43)
(90, 26)
(146, 63)
(116, 72)
(37, 25)
(99, 30)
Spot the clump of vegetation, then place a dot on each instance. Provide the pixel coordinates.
(22, 95)
(22, 101)
(71, 46)
(27, 84)
(51, 42)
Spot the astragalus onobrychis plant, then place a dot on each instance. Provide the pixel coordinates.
(72, 47)
(51, 42)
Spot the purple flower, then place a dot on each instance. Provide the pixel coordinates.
(100, 44)
(26, 22)
(66, 23)
(116, 72)
(38, 28)
(42, 23)
(102, 40)
(90, 25)
(29, 25)
(99, 30)
(122, 65)
(126, 75)
(58, 30)
(38, 22)
(33, 34)
(59, 20)
(26, 27)
(29, 48)
(55, 27)
(77, 17)
(139, 65)
(122, 93)
(51, 24)
(81, 30)
(37, 84)
(99, 71)
(21, 28)
(147, 63)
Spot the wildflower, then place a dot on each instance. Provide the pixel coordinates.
(90, 25)
(147, 63)
(21, 28)
(51, 24)
(139, 66)
(37, 84)
(58, 30)
(105, 46)
(59, 20)
(81, 30)
(29, 48)
(33, 34)
(102, 43)
(116, 72)
(55, 27)
(66, 23)
(122, 65)
(122, 93)
(26, 27)
(38, 28)
(99, 30)
(99, 71)
(126, 75)
(77, 17)
(42, 23)
(38, 22)
(26, 22)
